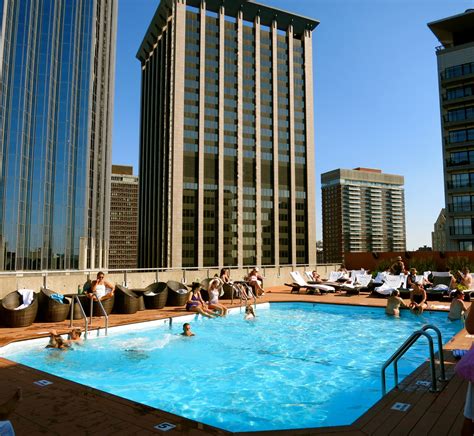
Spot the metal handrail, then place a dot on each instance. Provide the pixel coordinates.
(103, 312)
(395, 357)
(86, 323)
(440, 349)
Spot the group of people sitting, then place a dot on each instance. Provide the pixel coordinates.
(253, 285)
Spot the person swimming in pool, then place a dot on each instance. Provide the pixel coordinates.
(394, 303)
(187, 330)
(249, 312)
(56, 341)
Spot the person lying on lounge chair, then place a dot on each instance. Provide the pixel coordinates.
(418, 299)
(393, 304)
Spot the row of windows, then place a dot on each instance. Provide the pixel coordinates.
(461, 135)
(464, 113)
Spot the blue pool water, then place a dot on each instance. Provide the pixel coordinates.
(298, 365)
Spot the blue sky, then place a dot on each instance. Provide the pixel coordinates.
(375, 93)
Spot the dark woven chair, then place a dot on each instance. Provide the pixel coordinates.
(77, 311)
(157, 301)
(17, 318)
(228, 288)
(176, 298)
(51, 310)
(96, 310)
(126, 301)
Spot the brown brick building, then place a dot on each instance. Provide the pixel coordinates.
(123, 218)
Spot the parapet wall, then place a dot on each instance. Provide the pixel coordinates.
(66, 282)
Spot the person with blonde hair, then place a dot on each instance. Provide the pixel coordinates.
(215, 286)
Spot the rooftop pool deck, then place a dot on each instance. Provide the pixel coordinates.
(64, 407)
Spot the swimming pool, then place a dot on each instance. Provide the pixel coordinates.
(297, 366)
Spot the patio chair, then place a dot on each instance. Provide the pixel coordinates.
(50, 308)
(108, 303)
(441, 281)
(391, 282)
(126, 301)
(300, 283)
(361, 282)
(24, 317)
(155, 295)
(177, 293)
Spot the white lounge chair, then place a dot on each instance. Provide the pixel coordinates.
(391, 282)
(300, 283)
(359, 282)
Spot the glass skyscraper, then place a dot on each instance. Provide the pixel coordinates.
(57, 63)
(226, 147)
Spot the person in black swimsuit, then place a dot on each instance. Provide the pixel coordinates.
(418, 299)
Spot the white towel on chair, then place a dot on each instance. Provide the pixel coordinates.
(27, 295)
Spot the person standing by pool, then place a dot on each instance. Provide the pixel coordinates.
(101, 289)
(398, 267)
(195, 302)
(394, 303)
(214, 289)
(457, 308)
(187, 330)
(418, 299)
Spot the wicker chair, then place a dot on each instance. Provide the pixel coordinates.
(18, 318)
(228, 289)
(77, 311)
(176, 298)
(51, 310)
(96, 311)
(126, 301)
(157, 301)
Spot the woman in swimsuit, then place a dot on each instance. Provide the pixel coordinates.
(195, 302)
(418, 299)
(214, 290)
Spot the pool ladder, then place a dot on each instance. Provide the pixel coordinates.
(240, 296)
(406, 346)
(86, 322)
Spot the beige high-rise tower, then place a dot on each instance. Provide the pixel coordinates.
(227, 141)
(456, 88)
(363, 211)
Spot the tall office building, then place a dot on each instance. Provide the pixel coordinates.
(363, 211)
(123, 218)
(438, 235)
(226, 147)
(57, 62)
(456, 89)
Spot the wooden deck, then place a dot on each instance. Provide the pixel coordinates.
(65, 407)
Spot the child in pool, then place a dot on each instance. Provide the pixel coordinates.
(249, 312)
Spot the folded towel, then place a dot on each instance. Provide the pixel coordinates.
(27, 295)
(58, 297)
(149, 294)
(6, 428)
(182, 291)
(457, 354)
(440, 288)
